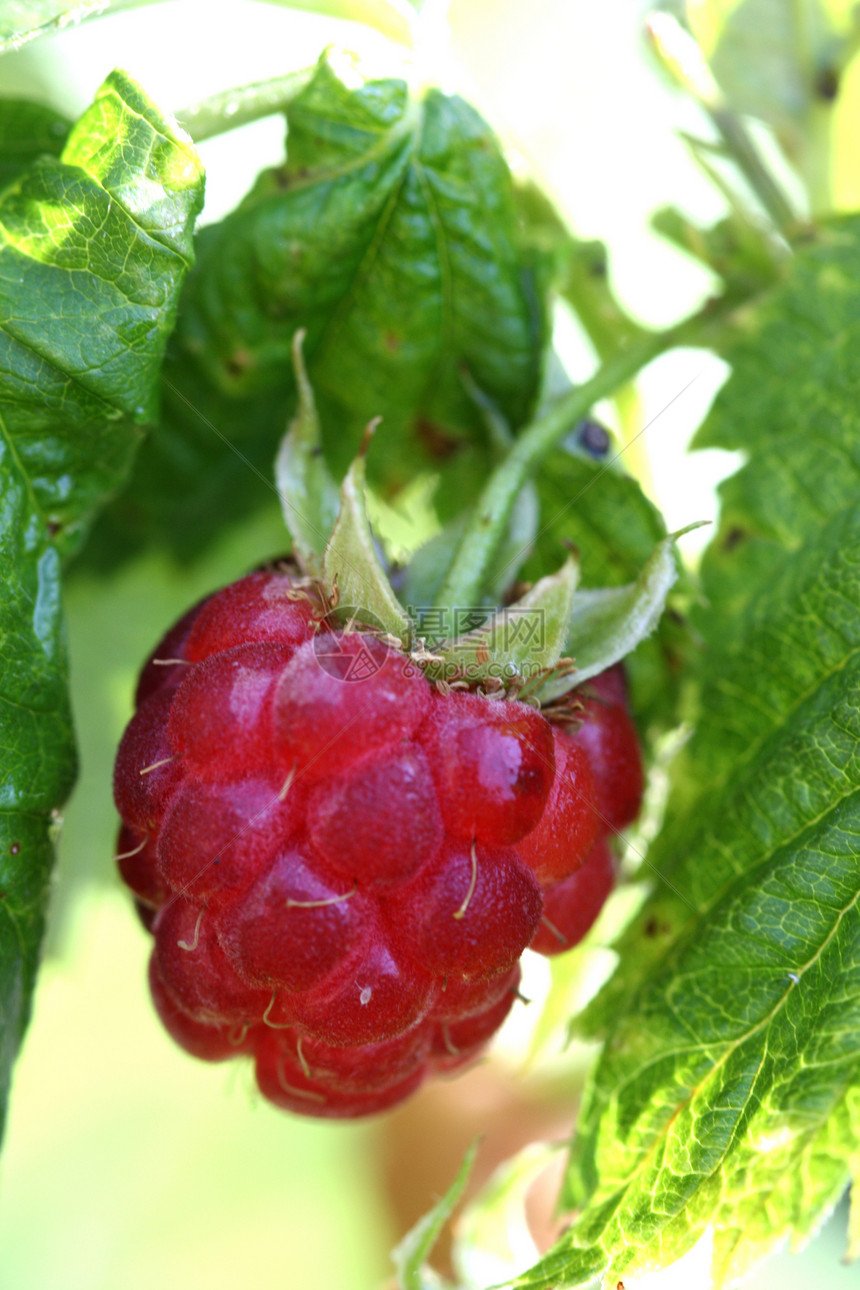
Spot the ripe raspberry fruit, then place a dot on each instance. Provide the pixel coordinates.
(608, 738)
(571, 906)
(340, 863)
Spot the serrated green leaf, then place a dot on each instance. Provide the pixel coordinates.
(515, 645)
(390, 235)
(352, 565)
(28, 131)
(410, 1256)
(713, 1100)
(93, 248)
(791, 404)
(607, 623)
(728, 1093)
(309, 495)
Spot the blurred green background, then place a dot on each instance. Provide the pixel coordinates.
(127, 1164)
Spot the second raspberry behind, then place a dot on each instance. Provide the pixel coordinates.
(342, 866)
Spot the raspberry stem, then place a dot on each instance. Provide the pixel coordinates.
(485, 531)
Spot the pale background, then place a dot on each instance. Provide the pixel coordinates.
(128, 1165)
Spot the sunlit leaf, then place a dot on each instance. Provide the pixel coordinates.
(93, 248)
(390, 236)
(728, 1093)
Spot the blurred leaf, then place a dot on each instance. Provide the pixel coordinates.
(492, 1241)
(737, 249)
(390, 236)
(22, 20)
(28, 131)
(93, 248)
(410, 1256)
(781, 63)
(728, 1093)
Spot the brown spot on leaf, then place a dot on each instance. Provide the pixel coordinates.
(238, 363)
(734, 537)
(438, 443)
(827, 84)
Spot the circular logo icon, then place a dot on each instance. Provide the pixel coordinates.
(351, 650)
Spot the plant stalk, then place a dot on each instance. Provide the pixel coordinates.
(232, 108)
(744, 152)
(488, 523)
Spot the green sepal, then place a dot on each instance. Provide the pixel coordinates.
(308, 493)
(352, 567)
(608, 623)
(516, 645)
(410, 1255)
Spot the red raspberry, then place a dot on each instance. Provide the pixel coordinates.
(570, 823)
(608, 738)
(339, 863)
(571, 906)
(494, 766)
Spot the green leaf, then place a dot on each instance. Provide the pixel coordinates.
(410, 1256)
(28, 131)
(783, 63)
(728, 1093)
(22, 20)
(769, 57)
(351, 564)
(724, 1094)
(309, 495)
(791, 404)
(93, 248)
(390, 235)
